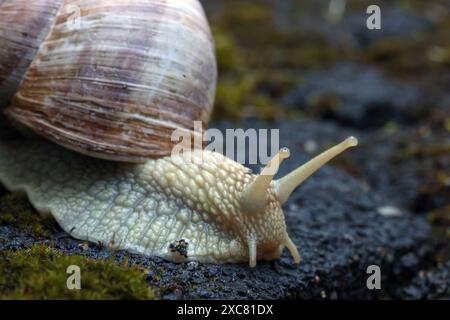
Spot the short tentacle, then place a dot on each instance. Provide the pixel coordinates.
(292, 249)
(254, 197)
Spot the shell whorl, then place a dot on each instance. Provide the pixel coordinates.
(116, 86)
(20, 41)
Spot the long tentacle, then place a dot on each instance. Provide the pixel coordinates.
(286, 185)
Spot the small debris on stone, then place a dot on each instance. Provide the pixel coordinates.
(84, 246)
(311, 146)
(389, 211)
(181, 246)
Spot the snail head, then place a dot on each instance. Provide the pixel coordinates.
(262, 199)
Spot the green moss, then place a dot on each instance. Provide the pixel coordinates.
(242, 95)
(305, 53)
(247, 16)
(440, 216)
(407, 150)
(257, 68)
(440, 55)
(447, 124)
(231, 96)
(158, 273)
(229, 57)
(417, 55)
(16, 210)
(275, 47)
(398, 55)
(40, 273)
(325, 104)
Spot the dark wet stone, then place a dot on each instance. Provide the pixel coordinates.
(356, 95)
(432, 284)
(396, 23)
(404, 165)
(410, 261)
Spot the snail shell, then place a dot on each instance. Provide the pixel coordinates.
(110, 79)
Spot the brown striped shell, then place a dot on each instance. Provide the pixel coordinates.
(107, 78)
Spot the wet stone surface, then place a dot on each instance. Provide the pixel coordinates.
(357, 96)
(397, 23)
(434, 284)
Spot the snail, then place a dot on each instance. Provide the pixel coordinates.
(97, 105)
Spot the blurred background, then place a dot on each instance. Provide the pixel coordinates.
(317, 58)
(314, 70)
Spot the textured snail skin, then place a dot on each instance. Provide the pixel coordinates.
(224, 213)
(143, 208)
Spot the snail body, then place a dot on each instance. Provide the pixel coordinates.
(102, 167)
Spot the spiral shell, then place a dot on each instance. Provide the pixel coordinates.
(111, 79)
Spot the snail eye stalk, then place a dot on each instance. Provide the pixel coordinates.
(286, 185)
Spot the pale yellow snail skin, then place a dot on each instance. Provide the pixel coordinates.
(224, 212)
(115, 89)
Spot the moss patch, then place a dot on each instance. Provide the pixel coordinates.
(16, 211)
(229, 57)
(40, 273)
(440, 216)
